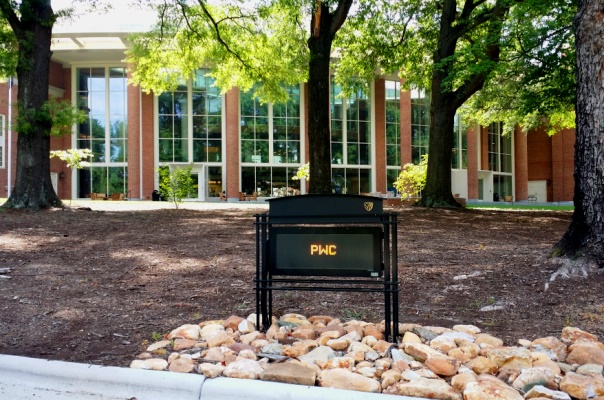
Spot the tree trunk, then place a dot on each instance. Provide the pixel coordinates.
(33, 187)
(437, 192)
(323, 27)
(585, 235)
(319, 132)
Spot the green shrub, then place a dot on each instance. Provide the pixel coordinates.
(412, 179)
(175, 185)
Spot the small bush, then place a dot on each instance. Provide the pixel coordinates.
(175, 185)
(412, 179)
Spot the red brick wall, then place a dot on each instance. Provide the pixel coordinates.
(148, 146)
(380, 134)
(232, 143)
(539, 155)
(57, 78)
(520, 165)
(405, 120)
(4, 110)
(563, 144)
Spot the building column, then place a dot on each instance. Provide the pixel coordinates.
(520, 165)
(134, 139)
(231, 144)
(380, 134)
(472, 135)
(405, 124)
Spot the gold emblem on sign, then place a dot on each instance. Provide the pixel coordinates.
(368, 206)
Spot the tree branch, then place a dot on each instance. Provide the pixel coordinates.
(9, 13)
(219, 37)
(339, 16)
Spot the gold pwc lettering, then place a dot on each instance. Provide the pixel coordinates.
(323, 250)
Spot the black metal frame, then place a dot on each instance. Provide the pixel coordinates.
(266, 282)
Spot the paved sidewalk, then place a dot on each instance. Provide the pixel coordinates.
(23, 378)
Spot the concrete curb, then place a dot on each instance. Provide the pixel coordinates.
(23, 378)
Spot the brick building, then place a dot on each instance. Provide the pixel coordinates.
(235, 144)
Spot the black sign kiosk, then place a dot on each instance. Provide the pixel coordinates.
(305, 242)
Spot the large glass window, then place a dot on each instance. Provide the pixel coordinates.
(270, 136)
(350, 141)
(420, 124)
(393, 131)
(270, 181)
(190, 122)
(101, 93)
(500, 160)
(500, 149)
(459, 159)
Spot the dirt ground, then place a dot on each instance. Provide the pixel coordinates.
(92, 286)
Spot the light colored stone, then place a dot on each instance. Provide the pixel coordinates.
(272, 331)
(426, 388)
(399, 355)
(214, 354)
(410, 375)
(585, 353)
(491, 388)
(210, 331)
(272, 348)
(460, 381)
(524, 343)
(390, 377)
(382, 347)
(344, 379)
(531, 377)
(553, 347)
(542, 360)
(318, 355)
(183, 344)
(369, 372)
(482, 365)
(249, 354)
(581, 386)
(383, 363)
(181, 365)
(503, 356)
(246, 326)
(469, 329)
(187, 332)
(571, 335)
(338, 344)
(419, 351)
(442, 365)
(372, 330)
(289, 373)
(245, 369)
(293, 320)
(173, 356)
(465, 353)
(220, 339)
(159, 345)
(485, 338)
(210, 370)
(338, 362)
(331, 331)
(369, 340)
(232, 322)
(156, 364)
(543, 392)
(443, 344)
(410, 337)
(324, 319)
(590, 370)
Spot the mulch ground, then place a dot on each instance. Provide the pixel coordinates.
(93, 286)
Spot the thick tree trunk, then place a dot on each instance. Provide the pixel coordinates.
(33, 186)
(437, 192)
(323, 27)
(585, 235)
(319, 136)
